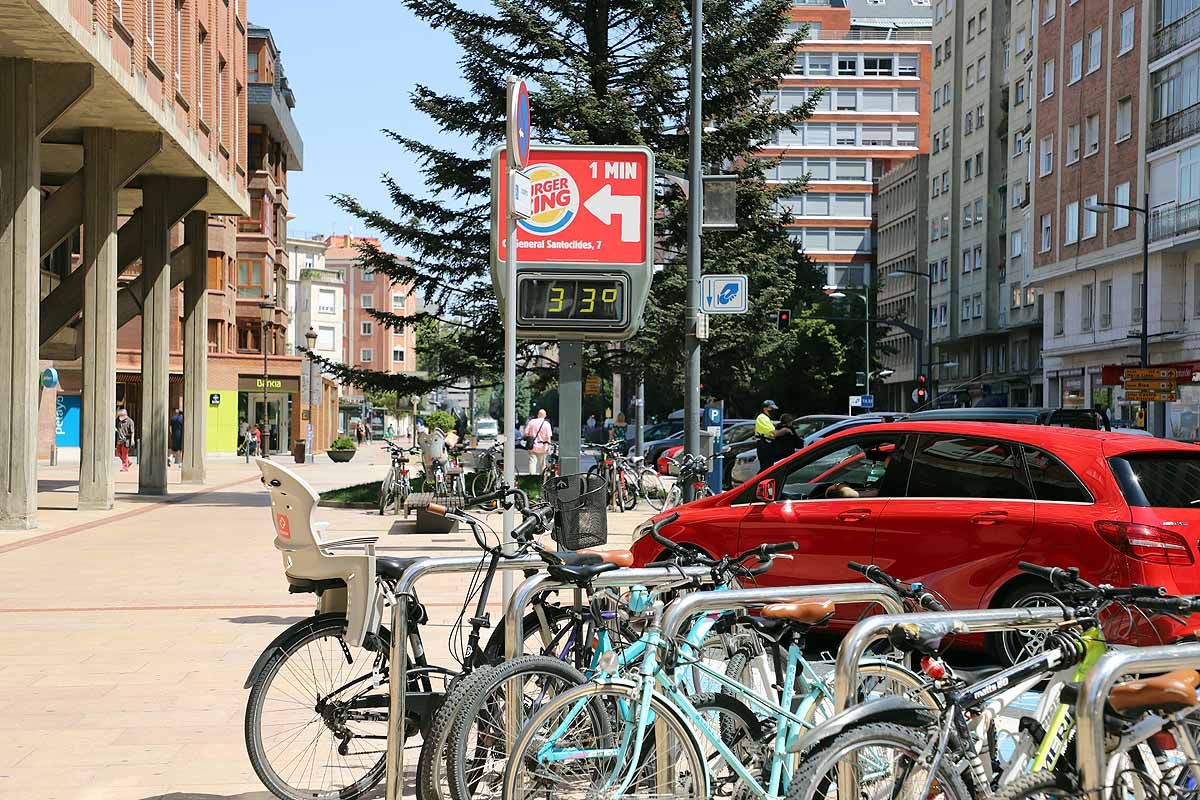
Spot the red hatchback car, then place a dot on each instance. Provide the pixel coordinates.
(956, 505)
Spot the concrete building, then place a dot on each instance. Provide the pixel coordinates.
(871, 61)
(1118, 120)
(901, 285)
(316, 297)
(369, 344)
(117, 122)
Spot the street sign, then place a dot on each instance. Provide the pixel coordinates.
(723, 294)
(522, 195)
(701, 327)
(1148, 373)
(519, 134)
(591, 384)
(585, 255)
(1151, 386)
(862, 401)
(1150, 397)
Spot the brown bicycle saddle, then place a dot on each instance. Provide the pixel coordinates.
(1174, 689)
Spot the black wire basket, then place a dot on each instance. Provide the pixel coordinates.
(580, 510)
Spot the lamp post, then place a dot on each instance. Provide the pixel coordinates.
(266, 310)
(310, 336)
(1144, 350)
(867, 309)
(896, 273)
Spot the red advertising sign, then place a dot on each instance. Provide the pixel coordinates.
(589, 207)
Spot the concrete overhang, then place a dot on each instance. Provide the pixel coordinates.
(265, 105)
(46, 31)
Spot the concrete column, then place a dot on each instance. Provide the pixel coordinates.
(99, 268)
(195, 349)
(156, 336)
(20, 240)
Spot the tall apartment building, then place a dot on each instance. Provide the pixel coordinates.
(985, 346)
(901, 291)
(316, 296)
(1118, 120)
(871, 61)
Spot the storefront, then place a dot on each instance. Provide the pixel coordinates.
(1182, 415)
(280, 397)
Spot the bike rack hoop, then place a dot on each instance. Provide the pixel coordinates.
(523, 595)
(1089, 708)
(872, 629)
(398, 656)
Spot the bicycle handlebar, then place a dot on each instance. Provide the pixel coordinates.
(915, 592)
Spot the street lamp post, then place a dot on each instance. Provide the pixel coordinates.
(867, 308)
(310, 336)
(266, 311)
(1144, 350)
(896, 273)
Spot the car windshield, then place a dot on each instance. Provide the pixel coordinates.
(1159, 480)
(739, 433)
(803, 428)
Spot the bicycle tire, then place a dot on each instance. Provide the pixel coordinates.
(386, 489)
(626, 493)
(358, 782)
(740, 731)
(1033, 785)
(482, 483)
(404, 489)
(651, 486)
(478, 742)
(430, 780)
(818, 774)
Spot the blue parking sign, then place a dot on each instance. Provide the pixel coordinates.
(724, 294)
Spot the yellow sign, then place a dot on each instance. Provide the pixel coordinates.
(592, 385)
(1150, 386)
(1147, 373)
(1150, 397)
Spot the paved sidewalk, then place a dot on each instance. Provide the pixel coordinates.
(126, 636)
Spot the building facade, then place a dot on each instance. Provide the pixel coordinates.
(316, 298)
(369, 344)
(870, 64)
(901, 285)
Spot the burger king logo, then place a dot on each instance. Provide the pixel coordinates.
(554, 197)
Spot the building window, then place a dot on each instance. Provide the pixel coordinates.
(969, 122)
(1060, 311)
(216, 272)
(366, 355)
(117, 10)
(1046, 155)
(1124, 118)
(1071, 223)
(967, 221)
(1089, 217)
(1126, 32)
(983, 20)
(967, 170)
(1105, 304)
(1095, 38)
(148, 5)
(966, 260)
(981, 68)
(978, 164)
(1048, 79)
(1072, 144)
(970, 75)
(397, 355)
(1015, 295)
(1048, 8)
(966, 309)
(366, 328)
(937, 143)
(937, 94)
(1121, 215)
(1016, 243)
(1091, 132)
(178, 45)
(1076, 61)
(977, 302)
(970, 29)
(1019, 94)
(878, 66)
(847, 65)
(909, 66)
(201, 41)
(252, 67)
(1044, 244)
(398, 302)
(1085, 307)
(1020, 45)
(978, 256)
(325, 338)
(326, 301)
(1137, 297)
(945, 270)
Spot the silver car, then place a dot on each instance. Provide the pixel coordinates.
(745, 464)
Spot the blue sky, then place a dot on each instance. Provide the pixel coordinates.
(352, 65)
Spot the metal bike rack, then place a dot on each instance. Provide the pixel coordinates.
(1089, 709)
(514, 614)
(683, 609)
(398, 658)
(870, 630)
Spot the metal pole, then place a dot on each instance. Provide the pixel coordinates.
(929, 339)
(510, 364)
(867, 374)
(570, 405)
(266, 431)
(691, 392)
(640, 433)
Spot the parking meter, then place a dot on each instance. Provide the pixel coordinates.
(714, 426)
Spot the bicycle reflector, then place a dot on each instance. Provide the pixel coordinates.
(1146, 542)
(933, 667)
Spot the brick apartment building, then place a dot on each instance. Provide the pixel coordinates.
(872, 59)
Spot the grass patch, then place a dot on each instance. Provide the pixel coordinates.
(359, 493)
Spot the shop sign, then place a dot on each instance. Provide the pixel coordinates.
(271, 383)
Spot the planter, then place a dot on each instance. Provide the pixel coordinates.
(341, 456)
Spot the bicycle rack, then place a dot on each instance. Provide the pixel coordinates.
(1089, 708)
(870, 630)
(398, 658)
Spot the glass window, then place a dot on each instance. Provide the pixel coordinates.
(1091, 132)
(877, 135)
(326, 301)
(366, 328)
(877, 65)
(1018, 243)
(816, 134)
(1124, 118)
(1089, 217)
(366, 301)
(1126, 31)
(1071, 223)
(849, 239)
(909, 65)
(820, 64)
(851, 169)
(1046, 155)
(865, 467)
(1048, 78)
(252, 67)
(251, 277)
(965, 467)
(816, 204)
(1076, 61)
(366, 355)
(1121, 215)
(906, 135)
(847, 65)
(1020, 45)
(878, 100)
(325, 338)
(1048, 11)
(398, 355)
(818, 169)
(1052, 480)
(1095, 38)
(850, 205)
(846, 134)
(1044, 244)
(847, 100)
(1159, 480)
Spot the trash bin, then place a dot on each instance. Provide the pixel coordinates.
(298, 448)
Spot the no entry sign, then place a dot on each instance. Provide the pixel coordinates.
(585, 255)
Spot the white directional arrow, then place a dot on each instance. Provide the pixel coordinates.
(603, 204)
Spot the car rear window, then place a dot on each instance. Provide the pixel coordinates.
(962, 466)
(1159, 480)
(1052, 480)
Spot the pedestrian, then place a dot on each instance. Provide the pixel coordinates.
(256, 439)
(125, 437)
(618, 431)
(764, 435)
(390, 431)
(176, 423)
(360, 432)
(537, 434)
(786, 440)
(591, 423)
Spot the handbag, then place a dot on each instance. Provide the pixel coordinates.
(527, 441)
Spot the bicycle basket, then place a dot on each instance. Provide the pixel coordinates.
(580, 510)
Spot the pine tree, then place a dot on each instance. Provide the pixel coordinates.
(606, 72)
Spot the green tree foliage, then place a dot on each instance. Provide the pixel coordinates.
(606, 72)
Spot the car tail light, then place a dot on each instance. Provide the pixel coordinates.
(1146, 542)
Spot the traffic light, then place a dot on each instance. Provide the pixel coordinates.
(921, 393)
(784, 318)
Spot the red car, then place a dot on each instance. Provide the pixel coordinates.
(956, 505)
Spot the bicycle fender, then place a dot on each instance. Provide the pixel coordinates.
(276, 645)
(885, 709)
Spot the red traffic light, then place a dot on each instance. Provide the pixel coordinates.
(784, 318)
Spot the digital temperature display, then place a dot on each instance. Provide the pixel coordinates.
(571, 301)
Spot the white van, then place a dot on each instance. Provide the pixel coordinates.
(487, 429)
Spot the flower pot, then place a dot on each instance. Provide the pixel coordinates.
(341, 456)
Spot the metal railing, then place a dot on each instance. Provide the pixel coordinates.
(1167, 222)
(867, 35)
(1180, 32)
(1176, 127)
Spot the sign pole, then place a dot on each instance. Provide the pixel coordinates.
(691, 389)
(570, 404)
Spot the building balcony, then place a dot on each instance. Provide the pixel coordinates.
(1182, 31)
(872, 35)
(1171, 221)
(1175, 128)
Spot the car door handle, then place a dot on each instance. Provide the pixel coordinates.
(855, 515)
(989, 517)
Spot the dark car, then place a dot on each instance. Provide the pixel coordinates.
(1092, 419)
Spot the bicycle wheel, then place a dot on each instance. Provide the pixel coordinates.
(431, 782)
(403, 490)
(650, 485)
(387, 490)
(883, 758)
(316, 726)
(584, 744)
(627, 482)
(482, 483)
(478, 745)
(740, 731)
(674, 496)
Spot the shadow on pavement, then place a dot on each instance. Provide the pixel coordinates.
(263, 795)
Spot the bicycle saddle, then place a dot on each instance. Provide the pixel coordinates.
(392, 567)
(580, 575)
(622, 558)
(1174, 691)
(810, 613)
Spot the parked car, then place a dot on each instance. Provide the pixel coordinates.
(655, 449)
(956, 505)
(735, 438)
(1095, 419)
(655, 435)
(487, 429)
(813, 427)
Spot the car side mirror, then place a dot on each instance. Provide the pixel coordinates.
(765, 491)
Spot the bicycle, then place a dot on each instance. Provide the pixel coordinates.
(491, 471)
(396, 485)
(553, 467)
(693, 471)
(611, 469)
(457, 483)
